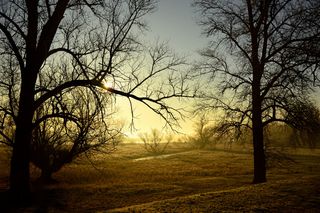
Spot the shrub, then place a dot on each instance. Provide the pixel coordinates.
(155, 142)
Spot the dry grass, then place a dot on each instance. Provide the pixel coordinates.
(279, 196)
(183, 181)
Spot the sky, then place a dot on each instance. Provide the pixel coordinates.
(174, 21)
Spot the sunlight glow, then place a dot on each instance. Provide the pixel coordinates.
(107, 84)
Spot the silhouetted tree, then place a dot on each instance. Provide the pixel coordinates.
(204, 135)
(304, 119)
(57, 141)
(264, 54)
(49, 48)
(155, 142)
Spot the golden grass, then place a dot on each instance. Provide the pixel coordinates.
(279, 196)
(184, 180)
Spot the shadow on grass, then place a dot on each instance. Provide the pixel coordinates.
(40, 200)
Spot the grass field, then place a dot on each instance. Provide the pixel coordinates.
(181, 180)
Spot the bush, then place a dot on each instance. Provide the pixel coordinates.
(155, 142)
(204, 136)
(86, 127)
(56, 145)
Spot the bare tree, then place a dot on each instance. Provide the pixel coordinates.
(155, 142)
(57, 141)
(204, 135)
(49, 48)
(264, 54)
(304, 119)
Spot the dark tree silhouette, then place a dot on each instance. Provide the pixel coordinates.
(264, 54)
(155, 142)
(304, 119)
(57, 141)
(204, 135)
(49, 48)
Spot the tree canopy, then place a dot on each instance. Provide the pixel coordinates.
(49, 49)
(264, 55)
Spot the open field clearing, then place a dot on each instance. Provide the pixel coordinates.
(181, 180)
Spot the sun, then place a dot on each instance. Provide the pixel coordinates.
(107, 84)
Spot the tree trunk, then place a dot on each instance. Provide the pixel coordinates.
(257, 134)
(19, 173)
(258, 153)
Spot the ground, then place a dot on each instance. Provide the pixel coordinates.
(181, 180)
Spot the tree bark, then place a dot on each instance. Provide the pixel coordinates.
(19, 173)
(257, 132)
(258, 149)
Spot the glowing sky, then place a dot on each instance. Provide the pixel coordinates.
(174, 21)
